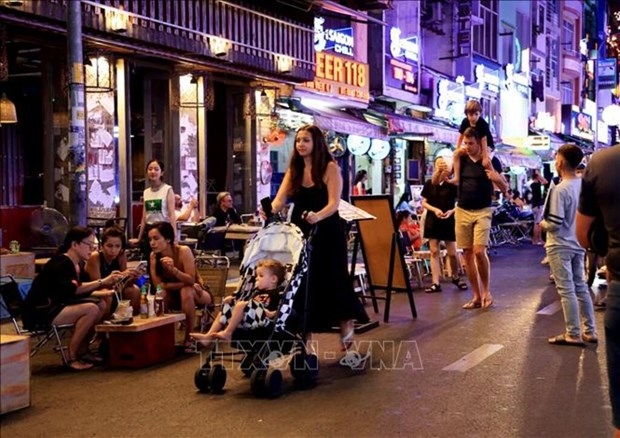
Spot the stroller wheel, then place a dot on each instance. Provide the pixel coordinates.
(201, 378)
(247, 366)
(267, 383)
(305, 369)
(217, 377)
(273, 383)
(257, 383)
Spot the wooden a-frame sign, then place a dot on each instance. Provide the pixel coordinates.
(383, 255)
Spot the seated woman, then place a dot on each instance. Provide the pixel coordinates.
(58, 296)
(173, 267)
(251, 314)
(112, 258)
(411, 228)
(516, 200)
(190, 213)
(225, 213)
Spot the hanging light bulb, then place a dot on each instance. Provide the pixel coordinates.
(8, 114)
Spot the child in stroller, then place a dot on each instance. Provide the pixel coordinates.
(253, 313)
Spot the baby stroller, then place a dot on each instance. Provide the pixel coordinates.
(285, 335)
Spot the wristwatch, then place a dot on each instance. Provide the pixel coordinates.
(99, 282)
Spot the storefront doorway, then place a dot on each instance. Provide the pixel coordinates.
(149, 97)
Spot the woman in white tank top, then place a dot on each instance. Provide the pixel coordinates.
(158, 203)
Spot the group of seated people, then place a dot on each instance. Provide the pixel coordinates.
(76, 286)
(224, 212)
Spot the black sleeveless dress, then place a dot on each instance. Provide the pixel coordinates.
(331, 296)
(106, 269)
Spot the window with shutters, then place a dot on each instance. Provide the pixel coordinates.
(486, 33)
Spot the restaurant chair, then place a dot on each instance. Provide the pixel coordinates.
(98, 224)
(13, 303)
(412, 261)
(213, 270)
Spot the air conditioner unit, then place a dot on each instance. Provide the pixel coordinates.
(437, 11)
(432, 12)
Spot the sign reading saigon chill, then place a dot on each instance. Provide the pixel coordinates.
(338, 76)
(335, 40)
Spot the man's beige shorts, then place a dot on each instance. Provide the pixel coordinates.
(473, 227)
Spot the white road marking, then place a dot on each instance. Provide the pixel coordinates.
(550, 309)
(474, 358)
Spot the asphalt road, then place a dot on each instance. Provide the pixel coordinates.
(472, 373)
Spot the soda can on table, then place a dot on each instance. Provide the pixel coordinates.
(14, 246)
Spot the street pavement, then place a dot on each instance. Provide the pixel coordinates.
(471, 373)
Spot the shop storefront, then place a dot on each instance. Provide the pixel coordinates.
(333, 101)
(157, 84)
(396, 85)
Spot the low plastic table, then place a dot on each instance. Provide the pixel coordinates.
(143, 343)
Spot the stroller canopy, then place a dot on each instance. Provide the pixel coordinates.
(280, 241)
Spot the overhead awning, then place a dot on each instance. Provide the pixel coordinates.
(340, 121)
(511, 156)
(586, 145)
(400, 126)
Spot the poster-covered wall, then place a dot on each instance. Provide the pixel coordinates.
(102, 186)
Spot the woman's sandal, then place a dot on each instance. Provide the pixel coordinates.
(472, 304)
(190, 347)
(91, 358)
(78, 365)
(458, 282)
(347, 340)
(435, 287)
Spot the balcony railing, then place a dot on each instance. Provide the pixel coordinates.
(216, 29)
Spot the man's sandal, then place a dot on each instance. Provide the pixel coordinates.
(458, 282)
(472, 304)
(487, 301)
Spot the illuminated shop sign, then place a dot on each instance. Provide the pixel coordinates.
(516, 81)
(538, 142)
(581, 124)
(405, 47)
(607, 73)
(450, 100)
(544, 121)
(337, 76)
(333, 40)
(487, 79)
(403, 76)
(402, 69)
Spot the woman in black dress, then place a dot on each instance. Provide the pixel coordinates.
(314, 184)
(439, 198)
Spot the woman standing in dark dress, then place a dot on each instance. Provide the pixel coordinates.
(314, 183)
(439, 198)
